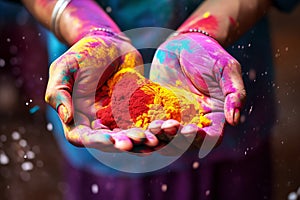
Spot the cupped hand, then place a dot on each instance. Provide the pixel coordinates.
(76, 88)
(196, 63)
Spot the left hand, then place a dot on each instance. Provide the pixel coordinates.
(205, 69)
(75, 89)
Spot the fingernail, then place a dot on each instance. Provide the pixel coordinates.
(151, 140)
(63, 113)
(170, 126)
(137, 135)
(122, 142)
(236, 116)
(155, 126)
(189, 129)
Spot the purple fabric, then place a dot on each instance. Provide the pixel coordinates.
(248, 178)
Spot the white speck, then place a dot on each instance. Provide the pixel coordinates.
(2, 62)
(30, 100)
(249, 45)
(27, 166)
(4, 160)
(164, 187)
(39, 34)
(15, 135)
(195, 165)
(108, 9)
(207, 192)
(23, 37)
(30, 155)
(95, 189)
(49, 127)
(250, 110)
(8, 40)
(286, 48)
(245, 152)
(292, 196)
(26, 103)
(41, 78)
(23, 143)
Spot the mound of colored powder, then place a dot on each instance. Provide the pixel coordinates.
(134, 101)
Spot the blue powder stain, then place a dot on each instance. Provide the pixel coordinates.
(73, 70)
(65, 79)
(185, 45)
(34, 109)
(161, 55)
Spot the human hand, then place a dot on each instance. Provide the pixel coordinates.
(198, 64)
(75, 88)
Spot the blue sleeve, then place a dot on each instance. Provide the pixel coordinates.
(286, 5)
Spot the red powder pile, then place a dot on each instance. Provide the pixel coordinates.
(135, 102)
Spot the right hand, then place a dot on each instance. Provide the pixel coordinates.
(75, 89)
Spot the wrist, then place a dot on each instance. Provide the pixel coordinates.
(73, 19)
(103, 31)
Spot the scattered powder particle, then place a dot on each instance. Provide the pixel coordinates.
(95, 188)
(195, 165)
(4, 160)
(164, 187)
(15, 135)
(49, 127)
(27, 166)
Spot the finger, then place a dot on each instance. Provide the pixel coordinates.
(170, 127)
(213, 133)
(59, 87)
(233, 88)
(151, 140)
(193, 134)
(122, 141)
(155, 126)
(137, 135)
(101, 140)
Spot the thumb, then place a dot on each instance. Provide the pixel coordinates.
(233, 88)
(61, 101)
(59, 88)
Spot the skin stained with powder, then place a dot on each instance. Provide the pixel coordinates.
(135, 102)
(208, 23)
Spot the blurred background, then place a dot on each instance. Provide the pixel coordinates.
(30, 160)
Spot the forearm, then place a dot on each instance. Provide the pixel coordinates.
(226, 20)
(76, 20)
